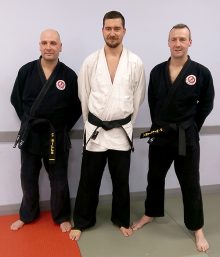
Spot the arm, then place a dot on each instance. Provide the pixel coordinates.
(84, 89)
(151, 97)
(75, 105)
(139, 91)
(206, 100)
(16, 95)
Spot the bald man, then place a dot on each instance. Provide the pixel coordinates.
(45, 98)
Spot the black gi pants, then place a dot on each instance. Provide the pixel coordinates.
(93, 165)
(60, 199)
(187, 171)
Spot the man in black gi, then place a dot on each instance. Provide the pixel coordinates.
(180, 96)
(45, 97)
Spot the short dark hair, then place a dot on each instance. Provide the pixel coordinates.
(114, 15)
(182, 26)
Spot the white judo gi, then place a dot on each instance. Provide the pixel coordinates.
(109, 100)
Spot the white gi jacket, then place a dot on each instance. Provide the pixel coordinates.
(111, 101)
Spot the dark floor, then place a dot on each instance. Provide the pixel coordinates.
(165, 237)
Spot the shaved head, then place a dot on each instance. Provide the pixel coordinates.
(50, 45)
(50, 32)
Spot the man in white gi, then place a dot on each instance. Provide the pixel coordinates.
(111, 89)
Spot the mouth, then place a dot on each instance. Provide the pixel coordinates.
(112, 38)
(178, 51)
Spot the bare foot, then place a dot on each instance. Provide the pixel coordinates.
(65, 226)
(141, 222)
(126, 231)
(201, 243)
(75, 234)
(17, 225)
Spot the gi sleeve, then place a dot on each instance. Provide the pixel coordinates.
(84, 89)
(206, 100)
(16, 95)
(151, 96)
(139, 91)
(75, 105)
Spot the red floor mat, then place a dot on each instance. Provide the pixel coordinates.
(41, 238)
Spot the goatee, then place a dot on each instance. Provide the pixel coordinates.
(112, 45)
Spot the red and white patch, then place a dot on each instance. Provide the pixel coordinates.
(191, 80)
(60, 84)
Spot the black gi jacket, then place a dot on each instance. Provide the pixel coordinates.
(60, 106)
(186, 102)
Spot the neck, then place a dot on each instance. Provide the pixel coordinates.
(49, 64)
(178, 61)
(113, 51)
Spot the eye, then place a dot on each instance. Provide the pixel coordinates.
(53, 43)
(117, 28)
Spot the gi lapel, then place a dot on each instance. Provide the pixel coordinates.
(25, 127)
(168, 107)
(46, 85)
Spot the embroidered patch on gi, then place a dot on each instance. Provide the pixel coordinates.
(191, 80)
(60, 84)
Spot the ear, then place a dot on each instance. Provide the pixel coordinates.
(168, 43)
(190, 42)
(61, 46)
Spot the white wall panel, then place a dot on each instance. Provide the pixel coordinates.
(80, 23)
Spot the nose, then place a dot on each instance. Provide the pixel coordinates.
(112, 32)
(177, 42)
(48, 46)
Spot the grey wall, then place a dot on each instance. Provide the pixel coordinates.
(80, 23)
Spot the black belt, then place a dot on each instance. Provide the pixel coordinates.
(180, 127)
(107, 125)
(23, 133)
(181, 138)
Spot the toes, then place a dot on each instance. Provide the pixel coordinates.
(17, 225)
(65, 226)
(75, 234)
(126, 231)
(135, 227)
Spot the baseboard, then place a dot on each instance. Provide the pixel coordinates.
(103, 199)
